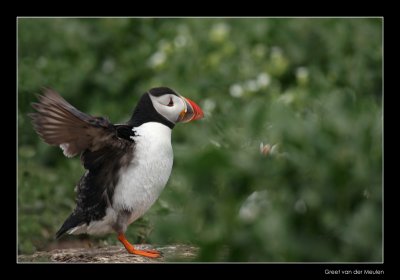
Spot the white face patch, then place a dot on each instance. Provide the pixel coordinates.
(169, 106)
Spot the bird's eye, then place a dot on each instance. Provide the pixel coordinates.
(171, 103)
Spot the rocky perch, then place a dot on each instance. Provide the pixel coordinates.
(112, 254)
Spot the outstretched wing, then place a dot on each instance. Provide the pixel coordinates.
(104, 148)
(59, 123)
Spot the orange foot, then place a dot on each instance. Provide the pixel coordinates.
(129, 247)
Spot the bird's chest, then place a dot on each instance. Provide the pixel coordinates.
(142, 181)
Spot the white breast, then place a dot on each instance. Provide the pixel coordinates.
(141, 183)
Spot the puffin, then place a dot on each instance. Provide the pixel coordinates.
(126, 165)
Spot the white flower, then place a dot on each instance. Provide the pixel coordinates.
(208, 106)
(157, 59)
(302, 75)
(180, 41)
(253, 206)
(263, 80)
(251, 85)
(236, 91)
(219, 32)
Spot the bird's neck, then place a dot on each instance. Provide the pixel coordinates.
(145, 112)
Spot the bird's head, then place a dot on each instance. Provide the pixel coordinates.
(173, 106)
(167, 107)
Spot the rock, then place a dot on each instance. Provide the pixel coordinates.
(113, 254)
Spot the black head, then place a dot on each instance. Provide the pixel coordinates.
(165, 106)
(159, 91)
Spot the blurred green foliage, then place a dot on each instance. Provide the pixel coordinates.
(310, 88)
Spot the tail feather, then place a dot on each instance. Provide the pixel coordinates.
(72, 221)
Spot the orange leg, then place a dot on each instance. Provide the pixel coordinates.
(129, 247)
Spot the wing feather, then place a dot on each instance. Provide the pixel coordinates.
(104, 148)
(59, 123)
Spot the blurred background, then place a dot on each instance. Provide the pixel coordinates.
(287, 164)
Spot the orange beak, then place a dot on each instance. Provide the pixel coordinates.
(192, 111)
